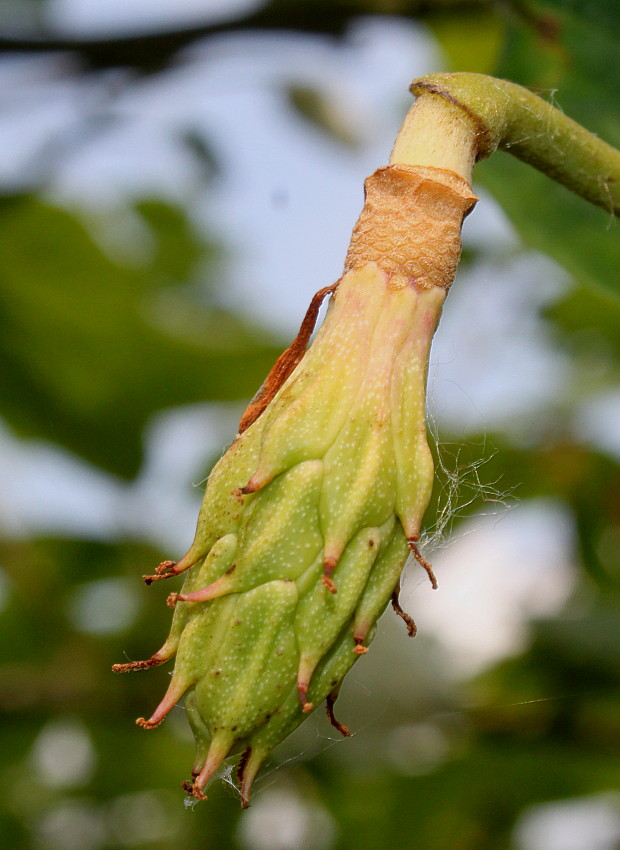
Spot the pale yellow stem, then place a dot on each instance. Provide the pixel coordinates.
(438, 134)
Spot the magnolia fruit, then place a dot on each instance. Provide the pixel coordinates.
(309, 517)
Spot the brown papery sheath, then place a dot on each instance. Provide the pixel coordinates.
(411, 224)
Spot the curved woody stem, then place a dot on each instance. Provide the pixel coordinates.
(459, 119)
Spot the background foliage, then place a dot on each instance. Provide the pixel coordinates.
(94, 346)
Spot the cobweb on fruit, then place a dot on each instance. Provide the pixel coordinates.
(460, 484)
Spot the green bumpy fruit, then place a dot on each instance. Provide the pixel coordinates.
(304, 529)
(306, 524)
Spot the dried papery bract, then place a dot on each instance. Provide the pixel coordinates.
(308, 519)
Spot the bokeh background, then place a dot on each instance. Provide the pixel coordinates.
(178, 177)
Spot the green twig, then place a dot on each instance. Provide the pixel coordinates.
(485, 114)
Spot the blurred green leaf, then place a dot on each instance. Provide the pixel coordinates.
(91, 349)
(323, 110)
(470, 40)
(568, 51)
(590, 321)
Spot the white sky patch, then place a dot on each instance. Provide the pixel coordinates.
(417, 749)
(280, 819)
(44, 489)
(71, 826)
(585, 823)
(493, 363)
(39, 108)
(63, 755)
(597, 422)
(162, 505)
(290, 194)
(104, 607)
(488, 229)
(97, 19)
(144, 817)
(494, 577)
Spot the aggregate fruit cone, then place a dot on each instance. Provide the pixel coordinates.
(309, 517)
